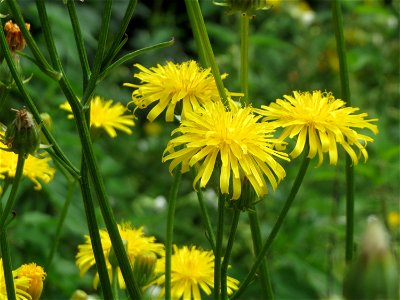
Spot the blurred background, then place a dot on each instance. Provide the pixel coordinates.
(292, 47)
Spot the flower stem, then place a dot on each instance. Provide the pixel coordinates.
(275, 230)
(170, 231)
(345, 94)
(244, 57)
(5, 254)
(265, 280)
(199, 28)
(206, 218)
(218, 246)
(228, 251)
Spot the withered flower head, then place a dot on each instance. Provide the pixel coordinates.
(14, 37)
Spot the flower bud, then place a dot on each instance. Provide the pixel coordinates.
(23, 134)
(374, 273)
(144, 267)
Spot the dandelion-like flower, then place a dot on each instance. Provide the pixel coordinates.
(107, 115)
(35, 168)
(192, 269)
(321, 121)
(36, 275)
(136, 243)
(234, 140)
(21, 283)
(171, 84)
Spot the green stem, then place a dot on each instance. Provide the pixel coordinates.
(4, 91)
(79, 42)
(3, 235)
(244, 57)
(228, 251)
(101, 47)
(64, 211)
(277, 226)
(170, 231)
(115, 286)
(218, 246)
(266, 288)
(7, 265)
(94, 233)
(345, 94)
(206, 218)
(194, 11)
(29, 102)
(197, 38)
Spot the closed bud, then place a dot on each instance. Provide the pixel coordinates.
(23, 134)
(144, 267)
(374, 273)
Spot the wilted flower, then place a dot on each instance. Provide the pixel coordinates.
(234, 140)
(192, 270)
(14, 37)
(107, 115)
(321, 121)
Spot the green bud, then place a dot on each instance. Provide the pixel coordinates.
(374, 273)
(23, 134)
(144, 267)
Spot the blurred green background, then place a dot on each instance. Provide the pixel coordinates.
(292, 47)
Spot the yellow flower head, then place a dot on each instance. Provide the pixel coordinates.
(170, 84)
(393, 220)
(21, 283)
(36, 276)
(107, 115)
(34, 168)
(136, 243)
(192, 269)
(321, 121)
(233, 140)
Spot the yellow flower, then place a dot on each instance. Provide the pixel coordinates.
(321, 121)
(136, 243)
(233, 140)
(20, 284)
(106, 115)
(192, 269)
(393, 219)
(36, 276)
(170, 84)
(34, 168)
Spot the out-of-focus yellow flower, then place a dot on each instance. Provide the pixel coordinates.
(393, 219)
(171, 84)
(21, 283)
(234, 140)
(136, 243)
(107, 115)
(36, 275)
(322, 122)
(34, 168)
(192, 270)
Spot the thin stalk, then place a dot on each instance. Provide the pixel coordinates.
(101, 47)
(109, 56)
(266, 288)
(29, 102)
(170, 231)
(345, 95)
(115, 283)
(275, 230)
(244, 57)
(5, 253)
(4, 91)
(194, 11)
(64, 211)
(197, 38)
(218, 246)
(79, 42)
(7, 265)
(228, 251)
(94, 233)
(11, 198)
(206, 218)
